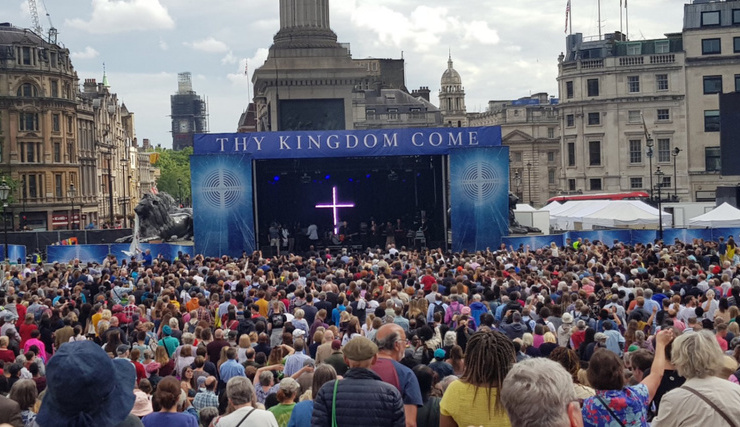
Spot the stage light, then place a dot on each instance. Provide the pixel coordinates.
(351, 180)
(277, 178)
(367, 176)
(327, 177)
(305, 178)
(335, 206)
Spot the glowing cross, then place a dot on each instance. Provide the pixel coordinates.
(334, 206)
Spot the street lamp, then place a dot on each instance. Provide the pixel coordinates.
(659, 175)
(650, 159)
(676, 150)
(72, 193)
(4, 193)
(518, 184)
(529, 182)
(179, 191)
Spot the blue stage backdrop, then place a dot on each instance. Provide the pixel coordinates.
(15, 253)
(223, 215)
(169, 252)
(479, 197)
(85, 253)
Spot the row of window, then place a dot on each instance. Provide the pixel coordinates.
(32, 152)
(713, 46)
(29, 122)
(636, 183)
(713, 84)
(29, 90)
(518, 156)
(634, 116)
(633, 85)
(32, 185)
(635, 152)
(713, 18)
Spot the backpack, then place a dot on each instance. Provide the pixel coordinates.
(245, 327)
(439, 308)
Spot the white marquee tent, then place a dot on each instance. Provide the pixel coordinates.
(588, 214)
(724, 215)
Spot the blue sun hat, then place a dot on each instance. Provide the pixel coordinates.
(85, 388)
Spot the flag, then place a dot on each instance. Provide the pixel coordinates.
(567, 14)
(246, 67)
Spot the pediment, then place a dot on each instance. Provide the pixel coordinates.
(517, 136)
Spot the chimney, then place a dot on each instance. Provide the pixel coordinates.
(90, 86)
(422, 92)
(146, 143)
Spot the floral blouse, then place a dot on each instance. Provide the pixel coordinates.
(629, 405)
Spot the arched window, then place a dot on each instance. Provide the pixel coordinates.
(28, 90)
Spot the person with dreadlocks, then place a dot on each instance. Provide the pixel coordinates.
(474, 399)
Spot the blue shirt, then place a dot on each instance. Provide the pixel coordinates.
(294, 363)
(302, 413)
(629, 404)
(230, 369)
(167, 419)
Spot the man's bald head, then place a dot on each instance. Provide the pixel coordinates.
(391, 341)
(219, 334)
(328, 336)
(388, 329)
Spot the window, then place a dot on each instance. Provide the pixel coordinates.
(551, 133)
(664, 114)
(32, 189)
(594, 118)
(28, 152)
(518, 156)
(635, 151)
(70, 127)
(666, 183)
(737, 82)
(57, 152)
(54, 89)
(711, 46)
(712, 84)
(55, 123)
(570, 120)
(712, 159)
(58, 186)
(594, 184)
(569, 90)
(393, 114)
(593, 87)
(26, 56)
(550, 157)
(571, 185)
(709, 19)
(594, 153)
(662, 46)
(571, 154)
(736, 44)
(736, 16)
(634, 116)
(551, 176)
(634, 49)
(28, 121)
(661, 81)
(711, 121)
(664, 150)
(633, 84)
(635, 183)
(28, 90)
(370, 114)
(70, 152)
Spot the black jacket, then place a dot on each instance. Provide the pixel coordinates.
(381, 403)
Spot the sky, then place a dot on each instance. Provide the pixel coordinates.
(502, 49)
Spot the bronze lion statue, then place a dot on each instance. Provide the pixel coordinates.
(160, 218)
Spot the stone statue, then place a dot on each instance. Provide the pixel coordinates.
(160, 218)
(514, 226)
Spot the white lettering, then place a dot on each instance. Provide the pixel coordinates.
(368, 137)
(413, 139)
(352, 142)
(316, 142)
(242, 144)
(473, 138)
(435, 139)
(332, 145)
(284, 143)
(455, 139)
(390, 142)
(298, 145)
(331, 141)
(221, 141)
(258, 142)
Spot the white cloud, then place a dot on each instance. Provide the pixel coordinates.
(238, 78)
(209, 45)
(118, 16)
(478, 31)
(88, 53)
(163, 45)
(229, 58)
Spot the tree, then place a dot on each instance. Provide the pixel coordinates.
(174, 165)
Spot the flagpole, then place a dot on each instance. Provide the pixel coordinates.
(620, 16)
(627, 20)
(570, 18)
(599, 23)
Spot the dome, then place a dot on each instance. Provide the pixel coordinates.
(451, 76)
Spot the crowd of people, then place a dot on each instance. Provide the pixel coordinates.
(591, 334)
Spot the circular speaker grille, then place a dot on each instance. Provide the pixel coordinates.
(480, 181)
(222, 189)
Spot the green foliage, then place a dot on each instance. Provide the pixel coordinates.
(174, 165)
(14, 189)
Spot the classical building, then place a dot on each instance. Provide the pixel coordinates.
(531, 129)
(189, 113)
(146, 174)
(39, 132)
(711, 40)
(452, 98)
(623, 114)
(310, 81)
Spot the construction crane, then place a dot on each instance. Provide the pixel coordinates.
(35, 17)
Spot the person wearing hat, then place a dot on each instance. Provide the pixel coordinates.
(337, 402)
(85, 388)
(169, 342)
(336, 359)
(565, 330)
(439, 365)
(288, 391)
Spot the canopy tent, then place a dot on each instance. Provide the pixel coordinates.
(524, 207)
(724, 215)
(608, 214)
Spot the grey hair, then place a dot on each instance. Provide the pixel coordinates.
(240, 390)
(265, 378)
(188, 338)
(697, 355)
(388, 342)
(548, 383)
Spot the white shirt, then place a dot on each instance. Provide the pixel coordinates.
(258, 417)
(680, 407)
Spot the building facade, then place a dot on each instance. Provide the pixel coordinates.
(189, 113)
(622, 114)
(452, 98)
(530, 127)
